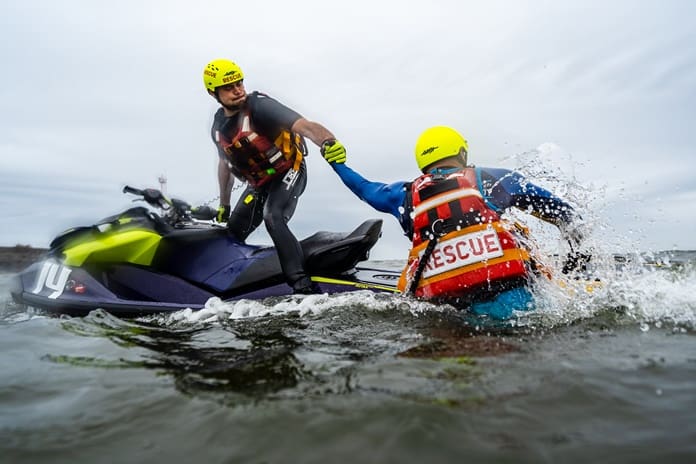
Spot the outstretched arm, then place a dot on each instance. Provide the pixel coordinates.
(312, 130)
(388, 198)
(504, 189)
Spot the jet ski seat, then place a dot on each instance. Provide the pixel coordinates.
(325, 253)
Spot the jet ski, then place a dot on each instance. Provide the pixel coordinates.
(168, 256)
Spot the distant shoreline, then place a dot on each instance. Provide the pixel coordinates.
(16, 258)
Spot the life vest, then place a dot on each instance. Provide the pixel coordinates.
(255, 157)
(473, 248)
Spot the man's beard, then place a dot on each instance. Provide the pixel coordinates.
(233, 107)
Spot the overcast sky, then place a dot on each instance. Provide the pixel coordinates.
(596, 98)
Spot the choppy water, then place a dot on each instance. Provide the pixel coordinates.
(608, 377)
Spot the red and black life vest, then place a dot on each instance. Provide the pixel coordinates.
(255, 157)
(473, 247)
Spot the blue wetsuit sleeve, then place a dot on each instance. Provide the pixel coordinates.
(388, 198)
(503, 189)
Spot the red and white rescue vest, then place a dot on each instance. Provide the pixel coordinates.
(474, 247)
(255, 157)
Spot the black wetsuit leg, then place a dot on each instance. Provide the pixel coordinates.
(281, 202)
(247, 213)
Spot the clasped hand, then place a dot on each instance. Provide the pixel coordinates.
(333, 151)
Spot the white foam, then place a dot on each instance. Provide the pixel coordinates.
(216, 310)
(646, 296)
(654, 296)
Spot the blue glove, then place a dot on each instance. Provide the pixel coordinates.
(333, 151)
(223, 213)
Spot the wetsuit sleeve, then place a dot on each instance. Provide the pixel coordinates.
(270, 115)
(503, 189)
(387, 198)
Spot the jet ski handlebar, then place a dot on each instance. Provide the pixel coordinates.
(153, 197)
(176, 211)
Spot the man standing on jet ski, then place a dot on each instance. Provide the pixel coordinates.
(261, 141)
(452, 215)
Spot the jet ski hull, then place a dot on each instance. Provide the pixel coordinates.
(136, 291)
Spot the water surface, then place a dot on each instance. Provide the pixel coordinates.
(607, 377)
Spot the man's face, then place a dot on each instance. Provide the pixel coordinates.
(232, 95)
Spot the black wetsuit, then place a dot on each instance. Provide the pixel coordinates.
(274, 202)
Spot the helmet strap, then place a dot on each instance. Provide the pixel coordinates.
(464, 155)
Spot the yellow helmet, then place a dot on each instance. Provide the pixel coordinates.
(438, 143)
(221, 72)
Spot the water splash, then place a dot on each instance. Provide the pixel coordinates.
(655, 296)
(639, 293)
(637, 288)
(217, 310)
(631, 291)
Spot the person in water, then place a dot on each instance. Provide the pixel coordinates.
(452, 215)
(261, 141)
